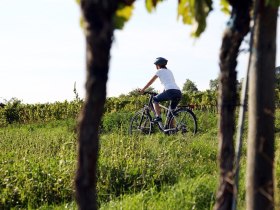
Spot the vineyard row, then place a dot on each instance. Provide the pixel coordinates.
(15, 111)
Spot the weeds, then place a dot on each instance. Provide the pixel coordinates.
(38, 163)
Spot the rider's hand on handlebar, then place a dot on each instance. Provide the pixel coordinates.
(141, 91)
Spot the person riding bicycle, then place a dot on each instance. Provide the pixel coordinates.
(171, 90)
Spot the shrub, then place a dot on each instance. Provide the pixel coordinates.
(12, 110)
(116, 122)
(3, 121)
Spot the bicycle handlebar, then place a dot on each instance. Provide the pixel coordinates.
(150, 93)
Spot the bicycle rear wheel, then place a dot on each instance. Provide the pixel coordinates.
(183, 121)
(140, 123)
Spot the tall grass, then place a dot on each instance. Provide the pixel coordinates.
(194, 193)
(130, 165)
(38, 163)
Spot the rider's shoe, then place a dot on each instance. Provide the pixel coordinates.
(157, 119)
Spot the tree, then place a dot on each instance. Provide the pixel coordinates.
(238, 27)
(260, 184)
(189, 87)
(260, 153)
(100, 18)
(214, 84)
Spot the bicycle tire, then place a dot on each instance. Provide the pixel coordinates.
(140, 123)
(184, 120)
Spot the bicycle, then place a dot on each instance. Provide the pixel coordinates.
(182, 119)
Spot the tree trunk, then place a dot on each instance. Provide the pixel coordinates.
(238, 27)
(260, 153)
(98, 16)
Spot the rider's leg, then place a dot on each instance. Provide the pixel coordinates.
(173, 95)
(158, 98)
(157, 109)
(177, 95)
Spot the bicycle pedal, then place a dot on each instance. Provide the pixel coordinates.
(157, 119)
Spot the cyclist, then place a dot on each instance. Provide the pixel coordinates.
(171, 90)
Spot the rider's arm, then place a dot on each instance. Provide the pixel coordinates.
(149, 83)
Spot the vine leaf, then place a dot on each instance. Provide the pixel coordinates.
(151, 4)
(225, 6)
(122, 15)
(194, 12)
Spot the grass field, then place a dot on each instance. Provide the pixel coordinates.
(38, 163)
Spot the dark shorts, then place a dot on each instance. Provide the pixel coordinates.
(173, 95)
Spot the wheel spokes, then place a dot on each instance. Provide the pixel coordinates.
(140, 124)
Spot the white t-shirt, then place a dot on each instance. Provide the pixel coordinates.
(167, 79)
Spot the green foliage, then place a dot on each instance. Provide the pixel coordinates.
(116, 122)
(37, 167)
(195, 12)
(194, 193)
(225, 6)
(207, 122)
(151, 4)
(12, 110)
(214, 84)
(37, 163)
(16, 112)
(125, 103)
(206, 101)
(189, 87)
(3, 119)
(122, 15)
(118, 108)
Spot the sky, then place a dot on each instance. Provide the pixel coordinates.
(42, 50)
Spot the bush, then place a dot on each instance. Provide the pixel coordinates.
(12, 111)
(116, 122)
(3, 121)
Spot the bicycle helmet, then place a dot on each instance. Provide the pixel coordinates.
(160, 61)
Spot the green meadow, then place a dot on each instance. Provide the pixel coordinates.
(38, 163)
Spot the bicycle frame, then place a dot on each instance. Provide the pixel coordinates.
(168, 110)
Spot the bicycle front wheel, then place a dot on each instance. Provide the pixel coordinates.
(183, 121)
(140, 123)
